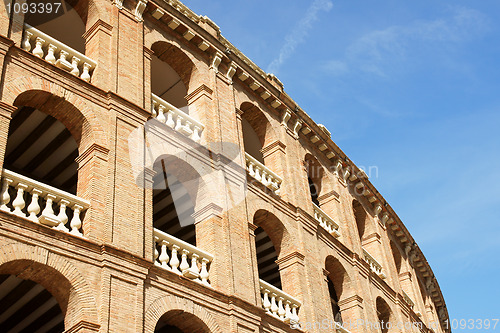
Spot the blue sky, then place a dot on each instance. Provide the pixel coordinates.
(411, 87)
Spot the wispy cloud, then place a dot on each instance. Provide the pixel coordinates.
(377, 52)
(299, 33)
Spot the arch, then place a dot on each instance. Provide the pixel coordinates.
(274, 228)
(361, 218)
(339, 277)
(56, 274)
(177, 59)
(396, 254)
(384, 314)
(163, 305)
(259, 123)
(315, 176)
(73, 111)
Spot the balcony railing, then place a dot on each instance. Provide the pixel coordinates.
(193, 264)
(279, 304)
(326, 221)
(263, 174)
(26, 190)
(45, 47)
(374, 265)
(168, 114)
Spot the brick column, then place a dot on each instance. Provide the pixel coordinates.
(98, 40)
(351, 308)
(92, 185)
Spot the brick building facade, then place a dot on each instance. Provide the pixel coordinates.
(154, 179)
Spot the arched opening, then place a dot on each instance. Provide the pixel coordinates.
(315, 175)
(178, 321)
(360, 216)
(266, 259)
(40, 147)
(40, 177)
(338, 284)
(38, 298)
(175, 188)
(384, 314)
(67, 26)
(26, 306)
(397, 256)
(269, 240)
(257, 131)
(171, 72)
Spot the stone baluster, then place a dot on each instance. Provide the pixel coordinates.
(38, 51)
(204, 271)
(194, 264)
(281, 308)
(174, 261)
(295, 316)
(164, 255)
(86, 72)
(48, 211)
(196, 134)
(62, 216)
(50, 57)
(26, 41)
(5, 196)
(34, 206)
(251, 169)
(74, 63)
(161, 114)
(288, 312)
(18, 202)
(274, 305)
(76, 222)
(170, 119)
(266, 303)
(184, 262)
(187, 127)
(178, 124)
(257, 173)
(156, 253)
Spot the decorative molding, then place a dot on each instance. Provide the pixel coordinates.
(290, 259)
(286, 117)
(217, 58)
(202, 90)
(273, 147)
(139, 9)
(231, 70)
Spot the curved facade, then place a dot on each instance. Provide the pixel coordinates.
(154, 179)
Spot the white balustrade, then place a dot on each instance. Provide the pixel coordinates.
(57, 53)
(27, 192)
(193, 263)
(326, 221)
(279, 304)
(168, 114)
(408, 300)
(374, 265)
(263, 174)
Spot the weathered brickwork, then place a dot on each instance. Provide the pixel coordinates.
(107, 281)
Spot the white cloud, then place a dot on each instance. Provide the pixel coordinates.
(379, 51)
(299, 33)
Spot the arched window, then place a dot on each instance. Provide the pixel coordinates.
(397, 256)
(178, 321)
(384, 314)
(68, 27)
(26, 306)
(40, 172)
(360, 216)
(268, 241)
(175, 187)
(338, 283)
(166, 83)
(266, 259)
(315, 175)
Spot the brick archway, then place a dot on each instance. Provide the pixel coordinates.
(55, 273)
(30, 86)
(168, 303)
